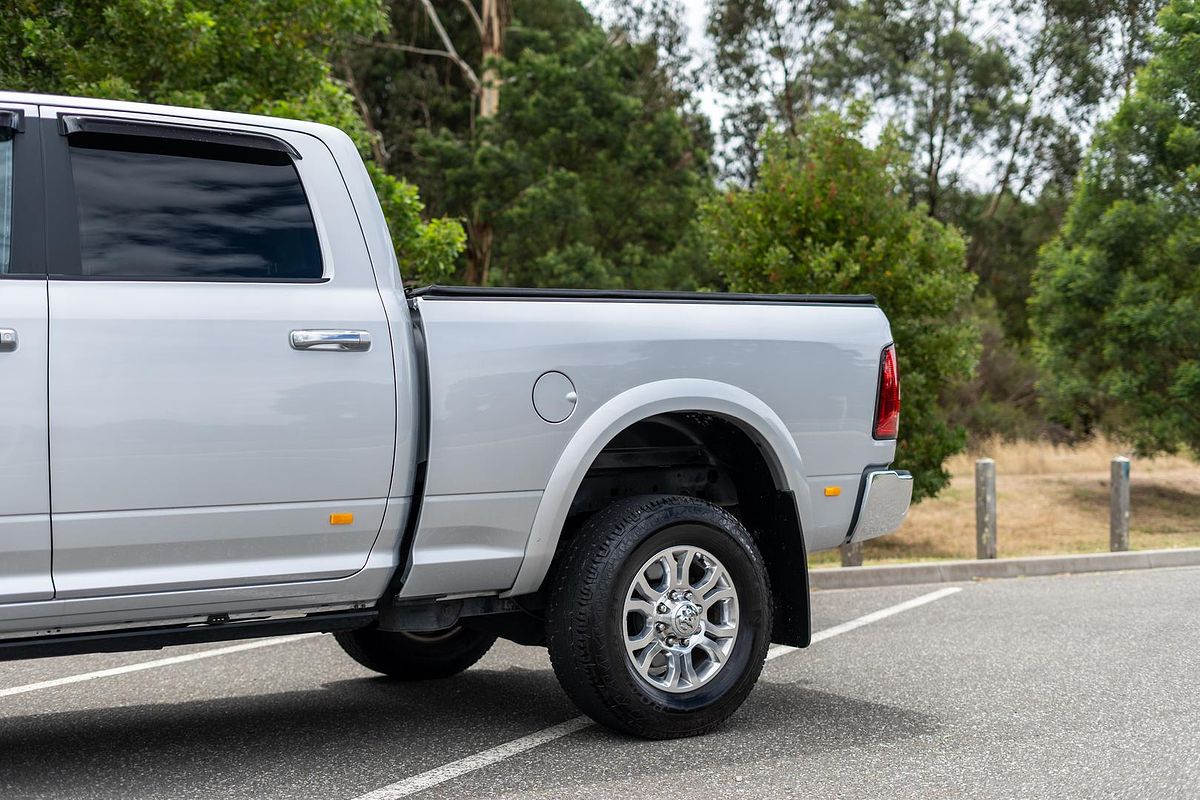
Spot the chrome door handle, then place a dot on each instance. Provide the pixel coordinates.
(345, 341)
(8, 340)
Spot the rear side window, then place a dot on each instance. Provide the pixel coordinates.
(166, 209)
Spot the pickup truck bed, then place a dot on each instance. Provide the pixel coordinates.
(627, 357)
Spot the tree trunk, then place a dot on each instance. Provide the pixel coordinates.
(378, 149)
(1009, 167)
(494, 16)
(495, 19)
(479, 252)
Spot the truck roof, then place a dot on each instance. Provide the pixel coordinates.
(213, 115)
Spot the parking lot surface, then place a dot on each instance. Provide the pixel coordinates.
(1071, 686)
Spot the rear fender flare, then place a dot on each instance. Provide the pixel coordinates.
(737, 405)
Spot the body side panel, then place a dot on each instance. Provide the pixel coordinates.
(469, 540)
(801, 379)
(361, 589)
(390, 479)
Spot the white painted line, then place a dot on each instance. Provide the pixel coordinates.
(782, 650)
(456, 769)
(161, 662)
(446, 772)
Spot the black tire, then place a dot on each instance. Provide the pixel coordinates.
(416, 656)
(586, 621)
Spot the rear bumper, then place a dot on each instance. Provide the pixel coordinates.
(885, 501)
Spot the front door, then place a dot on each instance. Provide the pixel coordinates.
(199, 438)
(24, 437)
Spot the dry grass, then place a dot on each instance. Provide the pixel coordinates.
(1048, 500)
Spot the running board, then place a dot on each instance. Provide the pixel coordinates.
(156, 638)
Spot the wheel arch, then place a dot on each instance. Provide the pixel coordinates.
(748, 414)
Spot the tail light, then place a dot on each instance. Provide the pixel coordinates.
(887, 412)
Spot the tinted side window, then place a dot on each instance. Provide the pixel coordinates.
(156, 208)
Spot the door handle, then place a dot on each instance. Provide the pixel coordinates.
(8, 340)
(344, 341)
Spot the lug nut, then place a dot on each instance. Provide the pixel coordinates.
(684, 642)
(674, 595)
(688, 595)
(671, 640)
(661, 626)
(662, 608)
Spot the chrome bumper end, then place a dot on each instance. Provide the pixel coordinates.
(885, 502)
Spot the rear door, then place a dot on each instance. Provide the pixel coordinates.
(24, 437)
(222, 402)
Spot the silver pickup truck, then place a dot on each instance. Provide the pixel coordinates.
(223, 417)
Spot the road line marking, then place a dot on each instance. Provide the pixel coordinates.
(446, 772)
(161, 662)
(456, 769)
(782, 650)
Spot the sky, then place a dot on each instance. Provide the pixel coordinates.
(710, 101)
(974, 168)
(697, 17)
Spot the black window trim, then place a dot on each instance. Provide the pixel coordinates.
(12, 121)
(64, 276)
(71, 124)
(27, 242)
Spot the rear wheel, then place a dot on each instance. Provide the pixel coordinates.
(416, 656)
(660, 619)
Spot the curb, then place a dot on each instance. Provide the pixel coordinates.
(954, 571)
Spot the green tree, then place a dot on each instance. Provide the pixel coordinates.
(255, 56)
(1116, 309)
(588, 173)
(942, 78)
(827, 214)
(1000, 399)
(993, 99)
(765, 53)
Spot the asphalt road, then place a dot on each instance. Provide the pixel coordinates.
(1074, 686)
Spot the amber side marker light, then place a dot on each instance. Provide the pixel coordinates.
(341, 519)
(833, 491)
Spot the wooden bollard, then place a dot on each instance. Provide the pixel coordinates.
(1118, 507)
(985, 508)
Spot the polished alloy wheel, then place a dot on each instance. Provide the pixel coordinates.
(681, 619)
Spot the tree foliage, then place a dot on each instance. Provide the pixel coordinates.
(1004, 85)
(993, 100)
(765, 55)
(827, 214)
(1116, 309)
(255, 56)
(589, 173)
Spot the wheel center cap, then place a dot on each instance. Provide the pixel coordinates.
(687, 619)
